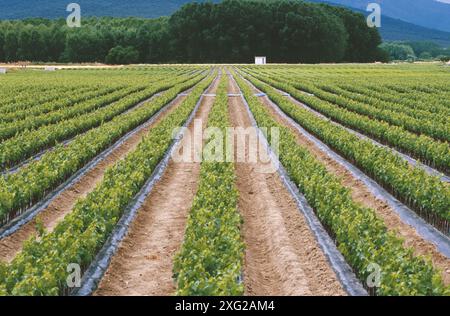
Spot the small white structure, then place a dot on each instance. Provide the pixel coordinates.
(260, 60)
(3, 71)
(50, 68)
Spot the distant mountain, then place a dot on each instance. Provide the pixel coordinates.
(397, 30)
(393, 29)
(20, 9)
(432, 14)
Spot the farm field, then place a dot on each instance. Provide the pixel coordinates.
(102, 193)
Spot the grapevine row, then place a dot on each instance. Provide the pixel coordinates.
(423, 126)
(32, 92)
(211, 257)
(41, 267)
(361, 236)
(94, 101)
(399, 110)
(34, 96)
(430, 104)
(62, 99)
(428, 150)
(28, 143)
(20, 190)
(424, 193)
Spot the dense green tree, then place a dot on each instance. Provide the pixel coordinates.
(229, 31)
(363, 41)
(25, 48)
(236, 31)
(425, 55)
(444, 58)
(426, 48)
(10, 46)
(57, 38)
(87, 44)
(2, 43)
(422, 47)
(398, 51)
(122, 55)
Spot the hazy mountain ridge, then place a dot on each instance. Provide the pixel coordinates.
(426, 13)
(20, 9)
(397, 30)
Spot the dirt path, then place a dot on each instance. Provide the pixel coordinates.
(143, 263)
(64, 203)
(361, 194)
(282, 256)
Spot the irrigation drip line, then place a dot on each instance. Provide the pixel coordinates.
(408, 216)
(344, 272)
(409, 159)
(36, 157)
(28, 215)
(98, 267)
(66, 142)
(430, 170)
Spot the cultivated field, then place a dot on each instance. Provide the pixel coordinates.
(102, 193)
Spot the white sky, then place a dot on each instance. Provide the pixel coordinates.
(445, 1)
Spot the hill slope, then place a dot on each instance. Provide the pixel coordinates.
(393, 29)
(427, 13)
(397, 30)
(20, 9)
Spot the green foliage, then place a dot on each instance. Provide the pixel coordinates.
(361, 236)
(431, 48)
(122, 55)
(228, 31)
(398, 51)
(34, 181)
(31, 141)
(443, 58)
(236, 31)
(425, 56)
(211, 257)
(410, 49)
(40, 269)
(420, 122)
(426, 194)
(362, 41)
(373, 121)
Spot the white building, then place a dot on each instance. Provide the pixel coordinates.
(50, 68)
(260, 60)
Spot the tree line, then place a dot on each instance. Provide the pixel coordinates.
(416, 50)
(232, 31)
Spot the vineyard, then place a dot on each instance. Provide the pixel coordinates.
(352, 196)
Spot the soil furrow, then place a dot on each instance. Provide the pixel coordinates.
(23, 164)
(361, 194)
(143, 264)
(63, 204)
(282, 256)
(401, 153)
